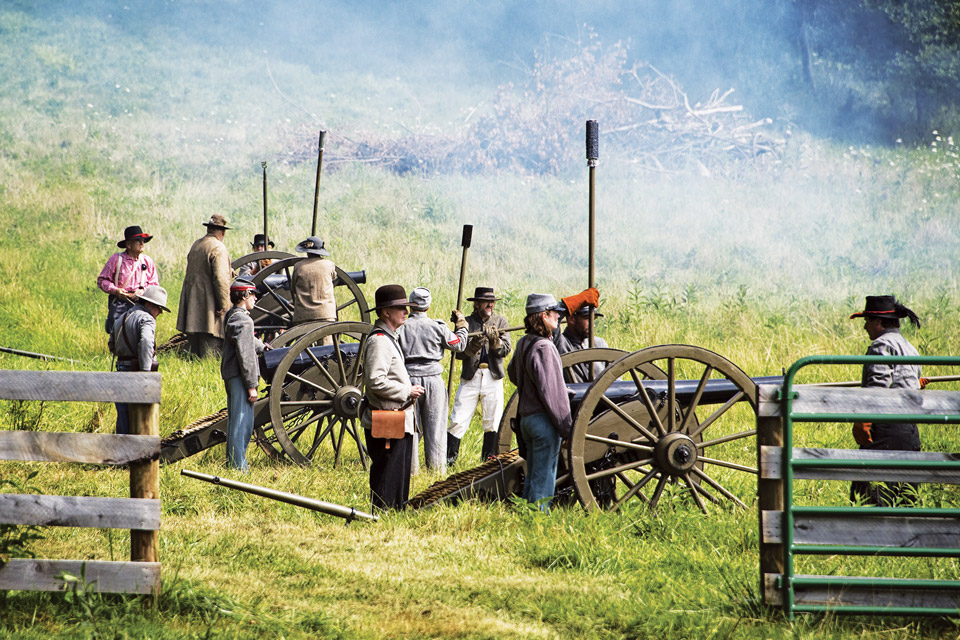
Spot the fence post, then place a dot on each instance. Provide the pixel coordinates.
(769, 498)
(145, 481)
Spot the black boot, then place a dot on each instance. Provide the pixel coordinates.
(453, 449)
(491, 442)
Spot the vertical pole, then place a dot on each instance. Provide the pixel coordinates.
(593, 156)
(316, 189)
(145, 482)
(769, 498)
(465, 240)
(266, 238)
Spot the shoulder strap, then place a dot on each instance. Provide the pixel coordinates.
(123, 333)
(381, 332)
(116, 273)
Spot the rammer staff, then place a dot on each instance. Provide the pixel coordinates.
(266, 238)
(316, 189)
(465, 243)
(593, 156)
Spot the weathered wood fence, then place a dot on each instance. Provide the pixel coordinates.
(901, 531)
(140, 512)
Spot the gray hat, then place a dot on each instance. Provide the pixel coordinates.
(537, 302)
(156, 295)
(420, 299)
(312, 246)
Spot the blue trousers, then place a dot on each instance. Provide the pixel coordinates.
(239, 423)
(543, 448)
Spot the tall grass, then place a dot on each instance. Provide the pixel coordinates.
(763, 269)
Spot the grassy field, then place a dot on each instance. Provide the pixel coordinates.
(98, 132)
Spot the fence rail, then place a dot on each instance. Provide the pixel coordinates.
(140, 513)
(787, 530)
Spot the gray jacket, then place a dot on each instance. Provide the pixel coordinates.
(386, 382)
(566, 342)
(135, 337)
(494, 357)
(902, 376)
(423, 341)
(240, 348)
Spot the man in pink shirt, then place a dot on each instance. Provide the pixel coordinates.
(127, 274)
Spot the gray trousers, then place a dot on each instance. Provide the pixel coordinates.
(432, 410)
(205, 344)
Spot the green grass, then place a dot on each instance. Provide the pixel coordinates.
(762, 269)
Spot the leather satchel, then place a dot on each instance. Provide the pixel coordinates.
(387, 424)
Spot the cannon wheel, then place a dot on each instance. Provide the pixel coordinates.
(323, 401)
(618, 449)
(567, 360)
(274, 310)
(260, 255)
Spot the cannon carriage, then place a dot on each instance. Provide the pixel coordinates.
(661, 416)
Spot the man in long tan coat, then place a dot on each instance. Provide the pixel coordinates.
(205, 296)
(311, 284)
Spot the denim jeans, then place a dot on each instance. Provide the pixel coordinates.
(239, 423)
(543, 448)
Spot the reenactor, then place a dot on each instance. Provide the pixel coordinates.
(205, 296)
(387, 388)
(423, 341)
(133, 341)
(576, 334)
(127, 274)
(253, 268)
(481, 380)
(881, 316)
(240, 370)
(311, 284)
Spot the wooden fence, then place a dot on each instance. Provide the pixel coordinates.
(905, 531)
(140, 512)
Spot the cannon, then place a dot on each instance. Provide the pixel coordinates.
(314, 389)
(664, 416)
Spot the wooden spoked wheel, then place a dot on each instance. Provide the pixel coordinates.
(315, 394)
(260, 255)
(641, 433)
(506, 437)
(273, 312)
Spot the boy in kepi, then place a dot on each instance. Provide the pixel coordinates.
(240, 370)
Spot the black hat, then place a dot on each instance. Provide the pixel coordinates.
(584, 310)
(259, 239)
(390, 295)
(134, 233)
(483, 294)
(885, 307)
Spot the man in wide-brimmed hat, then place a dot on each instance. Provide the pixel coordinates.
(127, 274)
(423, 340)
(481, 380)
(205, 296)
(881, 316)
(259, 244)
(311, 284)
(133, 340)
(387, 387)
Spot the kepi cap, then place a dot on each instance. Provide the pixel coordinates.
(420, 299)
(537, 302)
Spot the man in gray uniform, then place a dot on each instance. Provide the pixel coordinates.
(881, 316)
(133, 341)
(423, 341)
(576, 337)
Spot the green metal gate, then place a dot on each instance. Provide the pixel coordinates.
(873, 531)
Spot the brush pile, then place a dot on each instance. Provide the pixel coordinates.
(537, 127)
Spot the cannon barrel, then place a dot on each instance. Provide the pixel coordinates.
(360, 277)
(348, 513)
